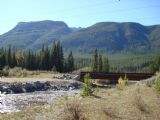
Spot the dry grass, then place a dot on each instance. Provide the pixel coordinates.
(139, 102)
(73, 111)
(120, 87)
(110, 113)
(129, 104)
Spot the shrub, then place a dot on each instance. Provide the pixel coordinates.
(149, 83)
(110, 113)
(87, 89)
(122, 82)
(139, 102)
(17, 72)
(157, 85)
(34, 72)
(5, 70)
(73, 111)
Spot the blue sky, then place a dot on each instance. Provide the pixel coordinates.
(78, 13)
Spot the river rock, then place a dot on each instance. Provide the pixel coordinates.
(1, 88)
(39, 86)
(18, 88)
(30, 87)
(10, 88)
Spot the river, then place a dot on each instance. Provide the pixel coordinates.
(17, 102)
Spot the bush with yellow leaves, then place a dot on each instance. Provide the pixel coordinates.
(123, 81)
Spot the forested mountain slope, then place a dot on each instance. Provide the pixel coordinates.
(110, 37)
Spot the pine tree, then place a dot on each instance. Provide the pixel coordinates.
(46, 59)
(95, 61)
(57, 58)
(9, 58)
(28, 60)
(158, 62)
(13, 58)
(106, 66)
(70, 62)
(2, 59)
(32, 61)
(155, 66)
(65, 68)
(53, 57)
(60, 58)
(100, 63)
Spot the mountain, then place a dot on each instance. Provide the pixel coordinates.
(33, 35)
(114, 37)
(108, 37)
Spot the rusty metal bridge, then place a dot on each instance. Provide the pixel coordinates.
(116, 76)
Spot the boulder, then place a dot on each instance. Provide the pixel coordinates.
(30, 87)
(39, 86)
(17, 88)
(75, 85)
(1, 88)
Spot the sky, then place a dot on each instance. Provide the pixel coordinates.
(78, 13)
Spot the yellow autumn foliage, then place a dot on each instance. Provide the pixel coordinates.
(123, 81)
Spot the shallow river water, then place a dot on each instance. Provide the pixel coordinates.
(17, 102)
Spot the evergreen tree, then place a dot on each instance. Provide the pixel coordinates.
(65, 68)
(53, 57)
(2, 59)
(70, 62)
(100, 63)
(155, 66)
(60, 58)
(106, 66)
(95, 61)
(9, 58)
(28, 60)
(13, 59)
(158, 62)
(46, 59)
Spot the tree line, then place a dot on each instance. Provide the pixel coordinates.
(52, 59)
(155, 65)
(100, 63)
(45, 59)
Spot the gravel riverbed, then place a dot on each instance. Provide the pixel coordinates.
(17, 102)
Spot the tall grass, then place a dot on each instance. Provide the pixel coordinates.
(74, 111)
